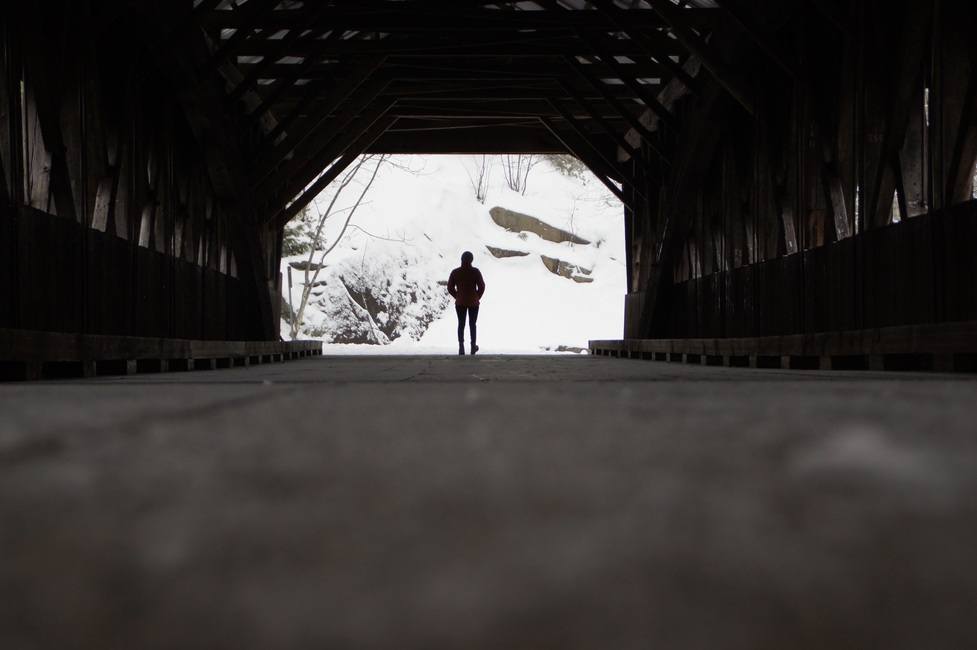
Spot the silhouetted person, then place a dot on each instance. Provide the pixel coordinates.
(466, 286)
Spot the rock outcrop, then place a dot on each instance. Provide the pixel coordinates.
(305, 265)
(502, 252)
(376, 300)
(517, 222)
(567, 270)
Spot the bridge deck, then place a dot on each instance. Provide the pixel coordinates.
(490, 502)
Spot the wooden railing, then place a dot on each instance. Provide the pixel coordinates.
(31, 354)
(944, 347)
(923, 270)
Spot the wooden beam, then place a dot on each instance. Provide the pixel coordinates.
(473, 139)
(430, 124)
(225, 160)
(363, 81)
(700, 135)
(286, 82)
(730, 81)
(486, 89)
(661, 48)
(646, 134)
(455, 17)
(252, 75)
(339, 142)
(585, 137)
(457, 47)
(43, 80)
(321, 130)
(503, 109)
(749, 27)
(581, 151)
(835, 190)
(419, 68)
(907, 85)
(960, 174)
(191, 19)
(643, 93)
(11, 138)
(356, 149)
(653, 46)
(597, 116)
(251, 13)
(287, 213)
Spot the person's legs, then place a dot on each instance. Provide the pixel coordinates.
(472, 318)
(460, 310)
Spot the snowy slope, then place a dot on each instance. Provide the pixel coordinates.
(420, 221)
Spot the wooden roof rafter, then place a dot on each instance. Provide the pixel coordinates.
(551, 72)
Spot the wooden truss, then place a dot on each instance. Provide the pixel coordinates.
(335, 79)
(736, 133)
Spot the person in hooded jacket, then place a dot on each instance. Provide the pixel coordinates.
(466, 286)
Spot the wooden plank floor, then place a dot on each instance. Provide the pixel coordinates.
(489, 502)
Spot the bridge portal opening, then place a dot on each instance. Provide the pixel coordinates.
(365, 264)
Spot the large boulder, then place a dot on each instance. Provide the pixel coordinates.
(517, 222)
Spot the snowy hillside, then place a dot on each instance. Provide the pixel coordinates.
(384, 282)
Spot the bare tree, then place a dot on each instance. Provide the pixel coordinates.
(479, 174)
(516, 168)
(572, 226)
(312, 267)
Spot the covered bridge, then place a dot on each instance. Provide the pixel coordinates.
(788, 168)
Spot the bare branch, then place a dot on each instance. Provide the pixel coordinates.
(401, 240)
(479, 176)
(315, 268)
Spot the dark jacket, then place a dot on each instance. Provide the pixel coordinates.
(466, 286)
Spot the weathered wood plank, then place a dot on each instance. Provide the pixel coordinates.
(30, 345)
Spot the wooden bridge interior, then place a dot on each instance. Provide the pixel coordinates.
(797, 180)
(787, 167)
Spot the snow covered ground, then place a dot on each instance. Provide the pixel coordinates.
(419, 216)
